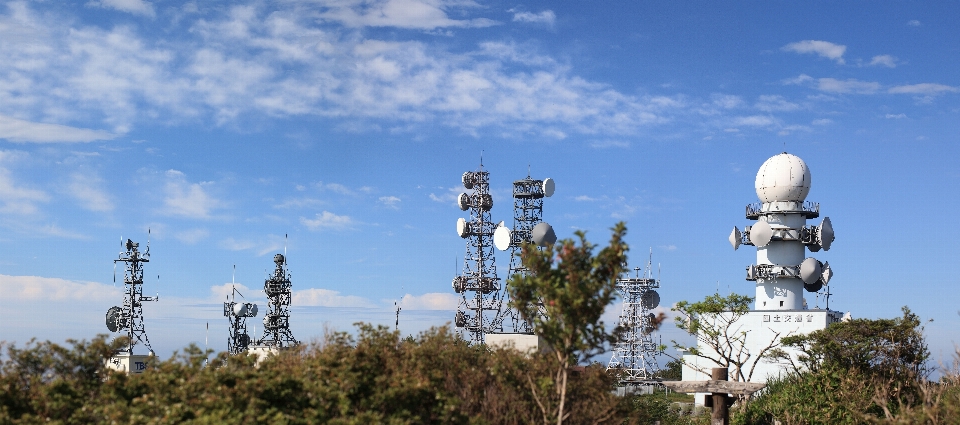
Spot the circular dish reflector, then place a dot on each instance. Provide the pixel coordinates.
(761, 233)
(501, 238)
(463, 201)
(467, 180)
(114, 321)
(810, 270)
(543, 234)
(462, 227)
(826, 235)
(650, 299)
(813, 287)
(548, 187)
(240, 309)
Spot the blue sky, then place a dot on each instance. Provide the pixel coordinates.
(346, 124)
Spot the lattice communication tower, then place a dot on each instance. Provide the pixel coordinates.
(478, 285)
(528, 222)
(634, 357)
(237, 313)
(129, 318)
(276, 323)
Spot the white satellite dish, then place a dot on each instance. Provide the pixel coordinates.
(825, 233)
(761, 233)
(463, 201)
(501, 237)
(826, 274)
(462, 229)
(543, 234)
(548, 187)
(810, 270)
(813, 287)
(468, 180)
(240, 309)
(735, 237)
(650, 299)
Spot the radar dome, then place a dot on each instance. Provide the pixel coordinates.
(783, 177)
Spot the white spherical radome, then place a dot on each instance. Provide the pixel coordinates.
(783, 177)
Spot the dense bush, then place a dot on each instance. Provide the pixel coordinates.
(375, 378)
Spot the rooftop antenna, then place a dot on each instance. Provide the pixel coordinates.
(634, 355)
(528, 227)
(129, 317)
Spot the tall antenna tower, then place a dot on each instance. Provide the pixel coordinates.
(528, 227)
(237, 314)
(634, 356)
(130, 316)
(478, 285)
(276, 323)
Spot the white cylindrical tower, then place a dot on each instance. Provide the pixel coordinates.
(781, 235)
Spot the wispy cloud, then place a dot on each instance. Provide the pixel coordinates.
(20, 131)
(327, 221)
(546, 17)
(86, 189)
(15, 199)
(772, 103)
(849, 85)
(754, 121)
(884, 60)
(924, 88)
(913, 23)
(895, 116)
(390, 202)
(430, 301)
(410, 14)
(31, 288)
(186, 199)
(824, 49)
(604, 144)
(136, 7)
(328, 298)
(192, 236)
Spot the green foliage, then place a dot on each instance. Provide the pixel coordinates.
(573, 287)
(860, 371)
(376, 377)
(673, 371)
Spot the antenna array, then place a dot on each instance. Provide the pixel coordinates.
(237, 314)
(276, 323)
(130, 316)
(633, 357)
(478, 285)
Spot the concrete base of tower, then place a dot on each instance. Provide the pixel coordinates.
(262, 352)
(128, 363)
(763, 329)
(525, 343)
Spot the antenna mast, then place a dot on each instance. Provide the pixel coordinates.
(276, 323)
(130, 316)
(634, 356)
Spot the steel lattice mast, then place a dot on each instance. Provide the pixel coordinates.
(276, 323)
(236, 313)
(634, 355)
(130, 316)
(478, 285)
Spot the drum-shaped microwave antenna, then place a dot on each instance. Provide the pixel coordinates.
(462, 229)
(501, 238)
(543, 234)
(486, 202)
(735, 238)
(826, 235)
(813, 287)
(549, 187)
(467, 180)
(761, 233)
(827, 273)
(115, 319)
(810, 270)
(463, 201)
(650, 299)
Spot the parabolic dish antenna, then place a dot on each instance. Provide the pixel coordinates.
(735, 237)
(543, 234)
(813, 287)
(115, 320)
(810, 270)
(467, 180)
(826, 233)
(463, 201)
(548, 187)
(761, 233)
(462, 230)
(501, 238)
(650, 299)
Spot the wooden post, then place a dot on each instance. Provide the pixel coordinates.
(721, 415)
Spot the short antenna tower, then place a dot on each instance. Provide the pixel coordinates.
(237, 313)
(633, 357)
(276, 323)
(129, 317)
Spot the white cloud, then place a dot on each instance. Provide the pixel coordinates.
(800, 79)
(822, 121)
(448, 197)
(754, 121)
(410, 14)
(272, 243)
(884, 60)
(328, 298)
(33, 288)
(924, 88)
(390, 201)
(430, 301)
(85, 187)
(547, 17)
(727, 101)
(192, 236)
(913, 23)
(823, 49)
(327, 221)
(610, 144)
(850, 85)
(668, 247)
(232, 244)
(19, 131)
(18, 200)
(136, 7)
(584, 198)
(771, 103)
(895, 116)
(186, 199)
(221, 293)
